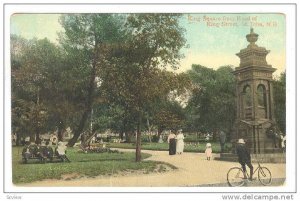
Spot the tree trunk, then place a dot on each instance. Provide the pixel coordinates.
(138, 156)
(128, 136)
(149, 130)
(37, 137)
(214, 136)
(79, 129)
(89, 101)
(60, 132)
(18, 139)
(121, 136)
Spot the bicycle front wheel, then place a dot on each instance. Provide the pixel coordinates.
(264, 176)
(235, 177)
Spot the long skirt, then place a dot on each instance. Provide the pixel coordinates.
(172, 147)
(180, 146)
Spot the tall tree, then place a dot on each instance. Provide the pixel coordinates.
(153, 42)
(31, 63)
(212, 104)
(87, 40)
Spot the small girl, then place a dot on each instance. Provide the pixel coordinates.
(208, 151)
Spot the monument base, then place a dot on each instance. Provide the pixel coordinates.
(262, 158)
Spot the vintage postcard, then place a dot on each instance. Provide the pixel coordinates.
(150, 98)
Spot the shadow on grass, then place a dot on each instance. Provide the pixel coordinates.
(34, 162)
(113, 159)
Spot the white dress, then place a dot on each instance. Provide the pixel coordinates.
(179, 143)
(283, 140)
(61, 149)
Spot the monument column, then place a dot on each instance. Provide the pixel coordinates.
(254, 94)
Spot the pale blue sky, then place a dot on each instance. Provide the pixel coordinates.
(214, 39)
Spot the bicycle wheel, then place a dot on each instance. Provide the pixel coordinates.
(235, 177)
(264, 176)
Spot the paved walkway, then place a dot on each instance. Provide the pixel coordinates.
(193, 170)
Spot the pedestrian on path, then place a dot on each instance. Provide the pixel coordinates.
(208, 151)
(180, 142)
(172, 143)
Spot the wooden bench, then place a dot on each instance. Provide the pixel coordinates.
(42, 154)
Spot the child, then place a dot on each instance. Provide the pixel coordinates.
(208, 151)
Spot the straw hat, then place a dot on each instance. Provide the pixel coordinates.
(241, 141)
(208, 145)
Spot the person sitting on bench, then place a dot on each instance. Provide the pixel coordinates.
(28, 151)
(47, 150)
(61, 152)
(39, 153)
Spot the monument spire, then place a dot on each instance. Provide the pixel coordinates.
(253, 55)
(252, 38)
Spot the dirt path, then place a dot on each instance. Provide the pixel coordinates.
(193, 169)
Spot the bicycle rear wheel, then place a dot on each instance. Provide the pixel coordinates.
(264, 176)
(235, 177)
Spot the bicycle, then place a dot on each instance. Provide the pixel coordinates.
(235, 176)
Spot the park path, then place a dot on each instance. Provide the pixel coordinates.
(193, 169)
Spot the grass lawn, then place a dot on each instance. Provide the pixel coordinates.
(199, 148)
(90, 165)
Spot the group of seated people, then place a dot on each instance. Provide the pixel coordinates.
(44, 151)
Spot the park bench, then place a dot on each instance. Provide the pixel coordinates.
(40, 153)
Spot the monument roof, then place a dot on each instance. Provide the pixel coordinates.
(253, 55)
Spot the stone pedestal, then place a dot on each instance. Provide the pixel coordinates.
(254, 98)
(262, 158)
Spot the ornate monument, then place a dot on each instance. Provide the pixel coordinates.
(254, 98)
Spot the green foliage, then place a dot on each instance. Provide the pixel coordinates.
(279, 86)
(89, 41)
(169, 115)
(35, 65)
(212, 103)
(133, 78)
(156, 39)
(127, 56)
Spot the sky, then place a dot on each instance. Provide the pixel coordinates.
(213, 39)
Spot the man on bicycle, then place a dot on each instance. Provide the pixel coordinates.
(244, 157)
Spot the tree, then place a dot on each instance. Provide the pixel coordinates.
(280, 101)
(157, 40)
(31, 64)
(167, 112)
(170, 116)
(212, 104)
(87, 40)
(153, 42)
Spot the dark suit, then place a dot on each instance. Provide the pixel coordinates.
(244, 158)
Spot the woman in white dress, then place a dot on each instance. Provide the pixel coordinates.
(61, 152)
(180, 142)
